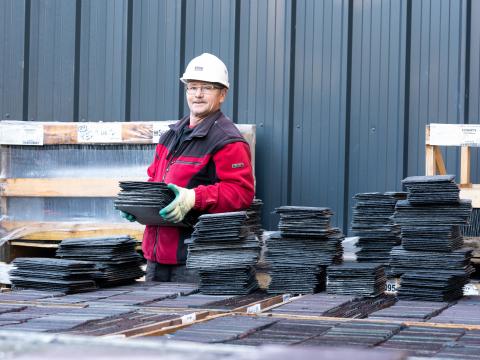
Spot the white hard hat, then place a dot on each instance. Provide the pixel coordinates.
(206, 67)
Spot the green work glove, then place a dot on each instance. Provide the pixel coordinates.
(180, 206)
(128, 216)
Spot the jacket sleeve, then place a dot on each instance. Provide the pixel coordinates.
(234, 190)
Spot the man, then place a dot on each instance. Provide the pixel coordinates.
(204, 160)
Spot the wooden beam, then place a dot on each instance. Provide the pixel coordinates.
(61, 187)
(34, 244)
(440, 165)
(430, 168)
(57, 231)
(465, 166)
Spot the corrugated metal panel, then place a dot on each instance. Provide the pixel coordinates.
(155, 60)
(210, 27)
(52, 53)
(263, 94)
(377, 96)
(103, 60)
(12, 36)
(318, 158)
(474, 84)
(437, 77)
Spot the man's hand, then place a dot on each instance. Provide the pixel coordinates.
(180, 206)
(128, 216)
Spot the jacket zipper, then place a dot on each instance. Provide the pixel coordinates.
(187, 162)
(171, 161)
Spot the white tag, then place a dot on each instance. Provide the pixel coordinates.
(158, 130)
(21, 133)
(189, 318)
(254, 309)
(470, 289)
(99, 133)
(455, 134)
(391, 286)
(286, 297)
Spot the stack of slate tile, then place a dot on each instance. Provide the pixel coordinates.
(254, 221)
(66, 276)
(144, 200)
(115, 257)
(224, 251)
(352, 278)
(297, 255)
(373, 224)
(431, 261)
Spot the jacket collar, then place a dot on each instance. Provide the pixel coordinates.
(201, 130)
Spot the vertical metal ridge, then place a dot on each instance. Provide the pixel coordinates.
(236, 60)
(183, 28)
(406, 112)
(128, 65)
(468, 43)
(76, 61)
(348, 105)
(26, 59)
(291, 102)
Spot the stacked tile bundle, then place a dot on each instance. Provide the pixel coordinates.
(224, 251)
(353, 278)
(431, 261)
(65, 276)
(115, 257)
(298, 254)
(254, 221)
(373, 224)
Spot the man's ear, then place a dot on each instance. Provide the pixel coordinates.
(223, 93)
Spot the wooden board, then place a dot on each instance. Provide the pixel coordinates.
(61, 187)
(32, 230)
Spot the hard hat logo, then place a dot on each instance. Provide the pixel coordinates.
(208, 68)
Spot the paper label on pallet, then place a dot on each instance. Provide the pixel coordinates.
(21, 133)
(392, 285)
(470, 289)
(99, 133)
(254, 309)
(189, 318)
(286, 297)
(158, 130)
(455, 134)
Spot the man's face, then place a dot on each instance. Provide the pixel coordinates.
(204, 98)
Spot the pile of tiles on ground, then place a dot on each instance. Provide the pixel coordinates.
(466, 347)
(333, 305)
(298, 254)
(355, 333)
(435, 269)
(352, 278)
(56, 318)
(67, 276)
(224, 252)
(254, 220)
(221, 329)
(123, 322)
(410, 311)
(144, 200)
(286, 332)
(115, 257)
(373, 224)
(465, 311)
(422, 341)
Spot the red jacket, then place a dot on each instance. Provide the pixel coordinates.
(214, 159)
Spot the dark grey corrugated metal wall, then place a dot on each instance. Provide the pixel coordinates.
(340, 90)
